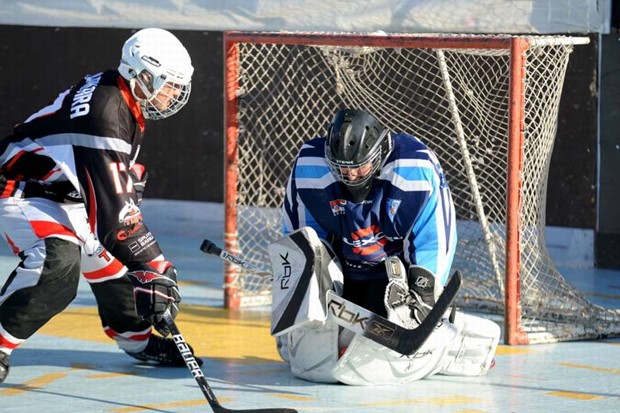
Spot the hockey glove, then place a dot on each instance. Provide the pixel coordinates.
(422, 287)
(139, 176)
(155, 291)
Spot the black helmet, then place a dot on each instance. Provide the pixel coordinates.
(356, 147)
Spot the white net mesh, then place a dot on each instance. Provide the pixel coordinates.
(457, 101)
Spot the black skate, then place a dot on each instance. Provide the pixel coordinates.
(4, 366)
(162, 351)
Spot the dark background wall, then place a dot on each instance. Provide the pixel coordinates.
(607, 240)
(184, 154)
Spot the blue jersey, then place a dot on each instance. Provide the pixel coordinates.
(408, 211)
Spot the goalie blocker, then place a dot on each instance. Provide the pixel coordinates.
(307, 311)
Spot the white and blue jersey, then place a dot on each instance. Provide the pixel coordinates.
(407, 213)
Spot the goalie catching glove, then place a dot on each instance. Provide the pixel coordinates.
(155, 291)
(409, 296)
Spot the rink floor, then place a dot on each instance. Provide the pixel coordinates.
(71, 366)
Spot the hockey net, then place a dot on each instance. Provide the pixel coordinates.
(487, 105)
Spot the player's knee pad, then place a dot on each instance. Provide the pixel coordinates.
(311, 351)
(33, 303)
(61, 271)
(366, 363)
(472, 351)
(61, 265)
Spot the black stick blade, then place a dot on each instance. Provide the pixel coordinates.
(210, 247)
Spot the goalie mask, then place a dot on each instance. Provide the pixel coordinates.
(356, 147)
(159, 71)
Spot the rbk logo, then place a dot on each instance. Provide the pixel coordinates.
(381, 330)
(286, 272)
(340, 310)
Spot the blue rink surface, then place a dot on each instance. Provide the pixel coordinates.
(70, 366)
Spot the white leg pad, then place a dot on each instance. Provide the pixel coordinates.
(303, 271)
(366, 363)
(312, 351)
(472, 351)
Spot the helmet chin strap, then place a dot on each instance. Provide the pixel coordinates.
(359, 193)
(144, 102)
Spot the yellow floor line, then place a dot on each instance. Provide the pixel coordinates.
(594, 368)
(293, 397)
(438, 401)
(33, 384)
(573, 395)
(160, 406)
(512, 350)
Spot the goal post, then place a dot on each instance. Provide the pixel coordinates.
(486, 104)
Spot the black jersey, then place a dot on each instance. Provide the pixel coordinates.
(88, 137)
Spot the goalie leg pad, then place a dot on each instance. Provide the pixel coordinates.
(313, 351)
(366, 363)
(472, 351)
(303, 271)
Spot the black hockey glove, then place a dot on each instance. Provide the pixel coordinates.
(138, 175)
(155, 291)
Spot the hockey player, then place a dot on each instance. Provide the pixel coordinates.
(69, 202)
(371, 214)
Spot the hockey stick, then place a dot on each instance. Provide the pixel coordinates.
(362, 321)
(198, 375)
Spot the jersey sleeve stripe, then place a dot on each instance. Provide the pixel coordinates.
(86, 141)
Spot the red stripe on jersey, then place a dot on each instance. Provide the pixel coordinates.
(44, 229)
(134, 107)
(110, 270)
(9, 165)
(92, 204)
(50, 173)
(9, 187)
(11, 243)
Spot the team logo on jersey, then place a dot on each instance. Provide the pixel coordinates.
(130, 214)
(131, 218)
(368, 242)
(392, 206)
(337, 206)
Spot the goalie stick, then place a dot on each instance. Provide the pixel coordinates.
(198, 375)
(362, 321)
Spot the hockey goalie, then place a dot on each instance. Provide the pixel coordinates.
(317, 349)
(368, 217)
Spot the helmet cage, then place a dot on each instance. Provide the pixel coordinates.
(340, 169)
(162, 99)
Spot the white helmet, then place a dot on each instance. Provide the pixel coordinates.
(157, 63)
